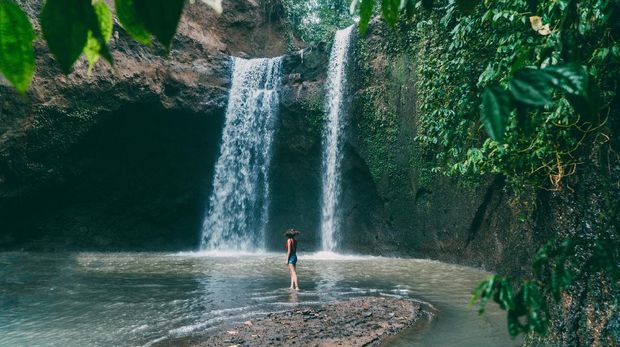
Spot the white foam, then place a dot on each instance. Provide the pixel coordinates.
(323, 255)
(138, 329)
(320, 255)
(205, 325)
(150, 343)
(228, 310)
(223, 254)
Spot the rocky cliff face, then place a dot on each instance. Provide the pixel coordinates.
(420, 213)
(587, 313)
(123, 159)
(480, 223)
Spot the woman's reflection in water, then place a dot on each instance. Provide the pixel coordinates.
(293, 296)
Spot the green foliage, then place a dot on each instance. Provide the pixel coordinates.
(392, 9)
(377, 119)
(560, 263)
(531, 87)
(556, 266)
(526, 310)
(467, 6)
(501, 63)
(131, 21)
(314, 22)
(73, 27)
(160, 17)
(106, 23)
(366, 8)
(66, 26)
(494, 287)
(313, 113)
(555, 263)
(496, 104)
(542, 75)
(16, 52)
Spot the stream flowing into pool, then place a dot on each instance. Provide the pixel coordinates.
(139, 299)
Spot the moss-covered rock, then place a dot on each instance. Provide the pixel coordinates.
(479, 221)
(423, 213)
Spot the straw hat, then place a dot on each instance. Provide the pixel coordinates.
(291, 232)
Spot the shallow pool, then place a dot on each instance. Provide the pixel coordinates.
(137, 299)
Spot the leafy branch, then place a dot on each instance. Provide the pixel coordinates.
(526, 307)
(75, 27)
(531, 87)
(16, 53)
(556, 268)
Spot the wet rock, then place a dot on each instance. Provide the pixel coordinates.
(357, 322)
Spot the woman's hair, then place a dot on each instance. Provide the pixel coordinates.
(291, 232)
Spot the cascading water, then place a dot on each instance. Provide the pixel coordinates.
(333, 138)
(239, 203)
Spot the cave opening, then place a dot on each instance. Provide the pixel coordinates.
(138, 179)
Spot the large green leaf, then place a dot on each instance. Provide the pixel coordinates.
(17, 61)
(496, 107)
(534, 87)
(506, 295)
(160, 17)
(131, 21)
(571, 79)
(366, 8)
(531, 87)
(582, 93)
(65, 25)
(537, 317)
(390, 10)
(105, 23)
(484, 291)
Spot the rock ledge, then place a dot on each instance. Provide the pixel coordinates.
(358, 322)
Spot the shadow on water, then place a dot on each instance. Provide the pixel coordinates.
(138, 299)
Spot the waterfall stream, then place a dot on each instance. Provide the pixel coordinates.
(333, 139)
(239, 203)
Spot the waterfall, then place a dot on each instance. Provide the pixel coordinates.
(333, 139)
(239, 203)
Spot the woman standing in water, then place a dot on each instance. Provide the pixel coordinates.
(291, 256)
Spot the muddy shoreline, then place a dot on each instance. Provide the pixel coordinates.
(366, 321)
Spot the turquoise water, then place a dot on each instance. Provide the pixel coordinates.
(138, 299)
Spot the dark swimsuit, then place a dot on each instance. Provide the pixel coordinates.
(292, 258)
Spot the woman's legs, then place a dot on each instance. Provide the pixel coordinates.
(292, 270)
(294, 284)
